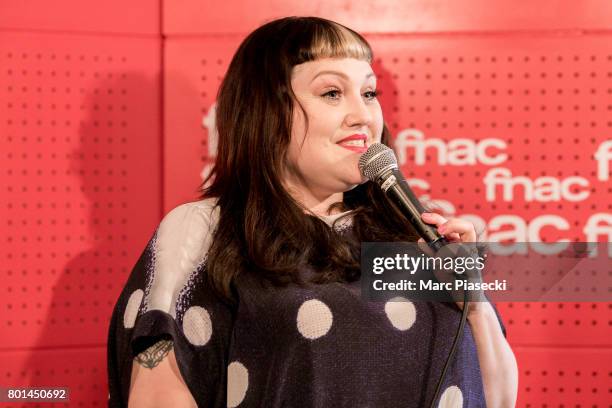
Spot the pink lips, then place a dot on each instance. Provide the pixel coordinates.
(357, 149)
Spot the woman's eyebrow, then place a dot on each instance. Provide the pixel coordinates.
(338, 73)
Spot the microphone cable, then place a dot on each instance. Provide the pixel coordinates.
(453, 349)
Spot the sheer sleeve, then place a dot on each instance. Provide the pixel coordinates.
(167, 296)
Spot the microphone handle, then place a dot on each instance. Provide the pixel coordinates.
(394, 184)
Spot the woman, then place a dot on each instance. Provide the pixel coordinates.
(250, 297)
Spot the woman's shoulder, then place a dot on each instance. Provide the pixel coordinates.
(200, 212)
(185, 233)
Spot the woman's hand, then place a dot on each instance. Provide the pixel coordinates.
(454, 230)
(458, 231)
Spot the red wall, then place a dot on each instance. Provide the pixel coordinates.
(80, 185)
(104, 127)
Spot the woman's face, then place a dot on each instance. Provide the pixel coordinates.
(344, 119)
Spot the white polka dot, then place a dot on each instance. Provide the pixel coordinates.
(401, 313)
(314, 319)
(452, 397)
(197, 325)
(237, 383)
(131, 309)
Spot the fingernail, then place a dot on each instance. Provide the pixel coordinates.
(426, 214)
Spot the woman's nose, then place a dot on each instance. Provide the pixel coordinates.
(358, 113)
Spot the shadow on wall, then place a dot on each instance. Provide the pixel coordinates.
(71, 348)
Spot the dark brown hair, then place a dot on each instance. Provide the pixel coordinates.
(261, 228)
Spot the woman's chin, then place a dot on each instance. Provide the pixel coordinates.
(349, 188)
(355, 183)
(353, 180)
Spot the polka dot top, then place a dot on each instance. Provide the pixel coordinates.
(294, 346)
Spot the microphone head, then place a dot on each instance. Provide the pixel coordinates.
(377, 159)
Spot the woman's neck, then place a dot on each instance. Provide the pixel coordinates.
(317, 205)
(320, 208)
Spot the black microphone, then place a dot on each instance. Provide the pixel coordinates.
(379, 165)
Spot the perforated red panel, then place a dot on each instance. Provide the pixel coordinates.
(80, 144)
(555, 324)
(564, 377)
(82, 370)
(192, 74)
(465, 110)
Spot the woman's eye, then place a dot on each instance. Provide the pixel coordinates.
(371, 94)
(333, 94)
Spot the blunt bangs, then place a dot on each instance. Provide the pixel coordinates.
(332, 40)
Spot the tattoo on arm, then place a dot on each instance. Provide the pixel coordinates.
(152, 356)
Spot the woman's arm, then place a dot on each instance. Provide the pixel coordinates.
(157, 381)
(497, 362)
